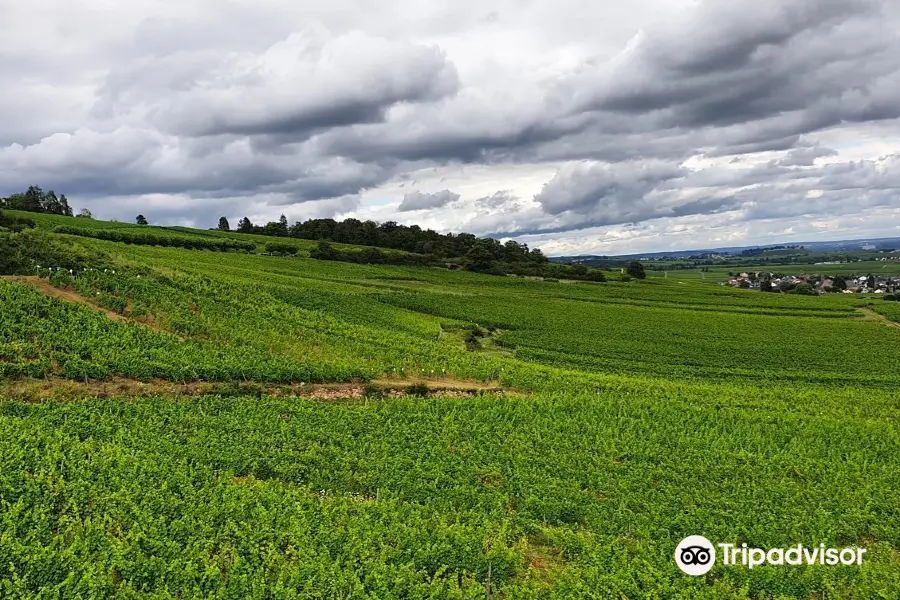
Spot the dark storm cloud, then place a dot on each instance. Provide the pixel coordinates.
(736, 62)
(419, 201)
(336, 91)
(760, 75)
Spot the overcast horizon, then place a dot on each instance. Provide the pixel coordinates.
(576, 127)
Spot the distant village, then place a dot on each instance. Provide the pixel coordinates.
(815, 284)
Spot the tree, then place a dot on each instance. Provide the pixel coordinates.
(33, 198)
(64, 203)
(141, 220)
(479, 258)
(870, 282)
(245, 226)
(803, 289)
(636, 270)
(85, 214)
(223, 224)
(765, 285)
(839, 283)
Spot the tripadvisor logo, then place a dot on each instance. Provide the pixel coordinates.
(696, 555)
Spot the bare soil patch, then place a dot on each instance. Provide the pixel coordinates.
(39, 390)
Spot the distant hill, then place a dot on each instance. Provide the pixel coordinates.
(828, 246)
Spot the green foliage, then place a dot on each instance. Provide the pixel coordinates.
(148, 238)
(281, 249)
(413, 498)
(636, 270)
(38, 201)
(15, 224)
(803, 289)
(370, 256)
(25, 252)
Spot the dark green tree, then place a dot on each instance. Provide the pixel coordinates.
(223, 224)
(245, 226)
(64, 203)
(141, 220)
(479, 258)
(636, 270)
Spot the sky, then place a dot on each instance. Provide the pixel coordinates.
(576, 126)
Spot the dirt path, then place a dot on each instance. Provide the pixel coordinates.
(38, 390)
(42, 285)
(871, 315)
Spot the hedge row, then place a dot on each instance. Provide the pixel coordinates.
(148, 238)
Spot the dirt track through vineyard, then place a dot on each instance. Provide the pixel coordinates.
(44, 286)
(871, 315)
(39, 390)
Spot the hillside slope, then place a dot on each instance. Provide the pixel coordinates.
(643, 412)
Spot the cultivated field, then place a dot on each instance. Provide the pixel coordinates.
(542, 440)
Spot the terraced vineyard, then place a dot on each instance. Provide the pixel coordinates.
(632, 415)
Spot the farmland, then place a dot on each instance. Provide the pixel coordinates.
(628, 415)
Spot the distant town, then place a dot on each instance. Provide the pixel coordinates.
(815, 284)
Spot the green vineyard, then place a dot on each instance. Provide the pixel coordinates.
(600, 424)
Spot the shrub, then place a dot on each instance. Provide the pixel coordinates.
(281, 249)
(15, 224)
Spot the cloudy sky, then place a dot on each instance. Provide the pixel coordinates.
(577, 126)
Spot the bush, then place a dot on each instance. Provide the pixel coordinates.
(281, 249)
(372, 256)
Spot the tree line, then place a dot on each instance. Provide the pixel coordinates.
(34, 199)
(391, 235)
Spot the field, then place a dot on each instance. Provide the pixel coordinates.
(601, 424)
